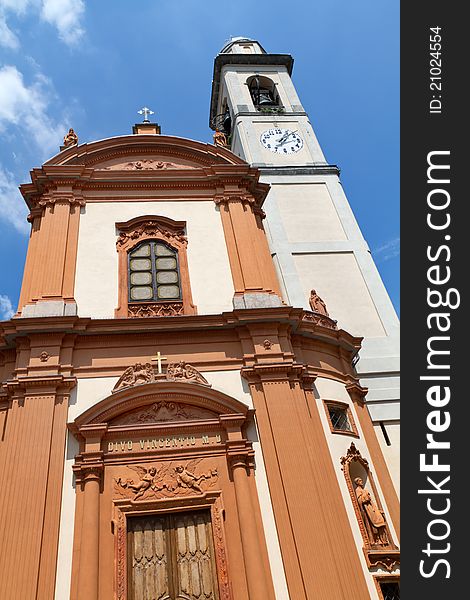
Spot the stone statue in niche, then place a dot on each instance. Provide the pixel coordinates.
(373, 517)
(71, 138)
(317, 304)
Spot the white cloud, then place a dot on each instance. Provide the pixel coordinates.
(26, 107)
(64, 15)
(6, 308)
(387, 251)
(12, 206)
(7, 38)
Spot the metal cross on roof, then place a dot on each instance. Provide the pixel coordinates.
(145, 112)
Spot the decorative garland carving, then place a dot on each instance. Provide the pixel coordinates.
(220, 555)
(379, 548)
(156, 309)
(121, 562)
(140, 373)
(151, 229)
(318, 319)
(166, 480)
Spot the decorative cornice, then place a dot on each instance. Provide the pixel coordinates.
(273, 371)
(37, 382)
(322, 169)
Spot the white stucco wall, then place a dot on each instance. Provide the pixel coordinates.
(96, 281)
(312, 202)
(338, 280)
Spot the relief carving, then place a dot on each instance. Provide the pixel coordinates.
(318, 319)
(139, 165)
(135, 375)
(164, 411)
(182, 371)
(166, 480)
(151, 229)
(164, 309)
(140, 373)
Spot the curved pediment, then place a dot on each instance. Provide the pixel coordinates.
(145, 153)
(163, 401)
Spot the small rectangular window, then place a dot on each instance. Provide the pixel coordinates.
(340, 418)
(388, 587)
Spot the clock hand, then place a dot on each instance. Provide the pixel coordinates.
(284, 138)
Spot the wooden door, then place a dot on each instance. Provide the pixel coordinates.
(171, 557)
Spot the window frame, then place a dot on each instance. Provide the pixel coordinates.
(378, 579)
(154, 271)
(152, 228)
(342, 406)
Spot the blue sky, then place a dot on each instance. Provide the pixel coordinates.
(92, 65)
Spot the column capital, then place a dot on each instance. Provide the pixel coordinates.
(89, 468)
(240, 454)
(357, 392)
(50, 199)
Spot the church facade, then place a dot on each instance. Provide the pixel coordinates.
(185, 409)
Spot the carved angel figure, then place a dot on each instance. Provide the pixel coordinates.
(135, 375)
(373, 516)
(166, 480)
(184, 371)
(70, 138)
(317, 304)
(146, 481)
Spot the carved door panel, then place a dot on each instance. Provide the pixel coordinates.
(194, 557)
(148, 561)
(171, 557)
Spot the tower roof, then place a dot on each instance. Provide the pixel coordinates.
(235, 53)
(228, 48)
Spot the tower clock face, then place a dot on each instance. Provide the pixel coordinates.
(281, 141)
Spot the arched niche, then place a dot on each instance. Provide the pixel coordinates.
(378, 545)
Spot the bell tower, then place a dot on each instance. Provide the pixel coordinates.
(315, 240)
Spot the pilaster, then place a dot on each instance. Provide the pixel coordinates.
(309, 510)
(31, 485)
(48, 283)
(254, 276)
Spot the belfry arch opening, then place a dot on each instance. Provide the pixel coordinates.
(263, 92)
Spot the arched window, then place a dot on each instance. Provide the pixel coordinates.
(263, 92)
(153, 268)
(153, 273)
